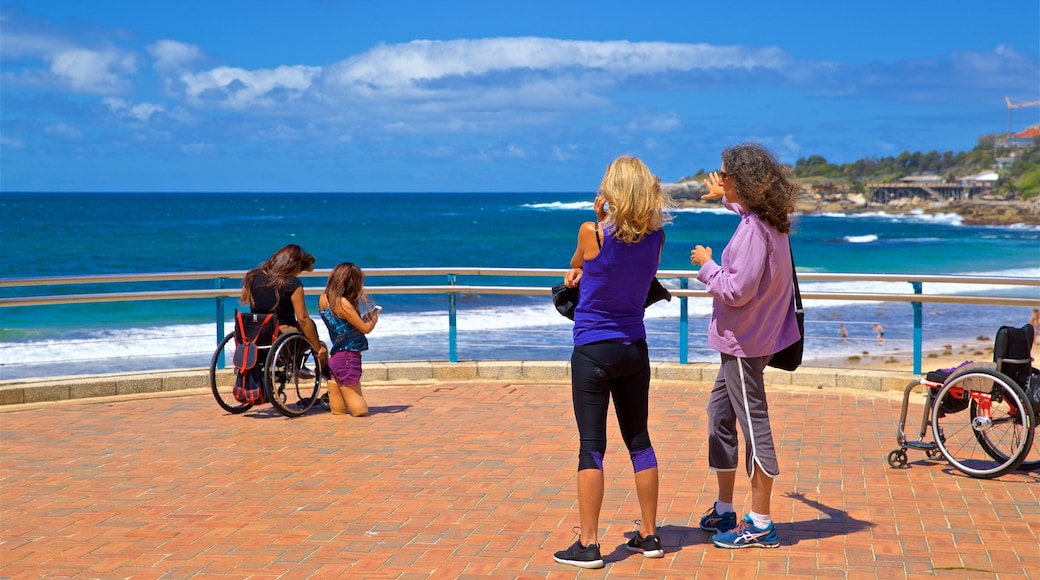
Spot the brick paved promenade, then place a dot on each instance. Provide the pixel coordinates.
(474, 479)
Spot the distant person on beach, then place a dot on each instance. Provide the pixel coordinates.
(843, 332)
(880, 330)
(616, 259)
(1035, 322)
(349, 316)
(274, 287)
(752, 318)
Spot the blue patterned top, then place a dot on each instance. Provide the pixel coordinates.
(343, 334)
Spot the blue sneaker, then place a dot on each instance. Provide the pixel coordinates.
(716, 522)
(746, 535)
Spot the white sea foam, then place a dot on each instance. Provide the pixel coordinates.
(576, 205)
(713, 210)
(913, 216)
(587, 205)
(931, 288)
(861, 239)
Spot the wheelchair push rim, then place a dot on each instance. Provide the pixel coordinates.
(293, 375)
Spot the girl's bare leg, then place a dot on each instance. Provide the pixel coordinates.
(355, 401)
(336, 401)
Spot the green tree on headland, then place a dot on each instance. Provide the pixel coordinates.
(1019, 179)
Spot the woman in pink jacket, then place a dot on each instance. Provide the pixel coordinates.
(752, 318)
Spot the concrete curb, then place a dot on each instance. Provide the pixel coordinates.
(28, 391)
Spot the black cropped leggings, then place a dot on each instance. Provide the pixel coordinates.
(599, 371)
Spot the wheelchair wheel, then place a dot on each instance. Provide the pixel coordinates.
(293, 376)
(1032, 458)
(223, 392)
(978, 423)
(1021, 412)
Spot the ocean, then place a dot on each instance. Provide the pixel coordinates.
(72, 234)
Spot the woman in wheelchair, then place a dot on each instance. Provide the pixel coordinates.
(274, 287)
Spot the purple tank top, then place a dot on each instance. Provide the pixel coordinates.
(613, 290)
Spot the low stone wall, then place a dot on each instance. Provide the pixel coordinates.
(28, 391)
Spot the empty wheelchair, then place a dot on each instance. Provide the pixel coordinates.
(982, 419)
(270, 366)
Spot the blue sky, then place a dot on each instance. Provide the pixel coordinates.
(486, 95)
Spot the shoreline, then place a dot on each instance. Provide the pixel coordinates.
(931, 359)
(978, 212)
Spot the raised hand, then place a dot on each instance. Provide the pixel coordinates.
(714, 185)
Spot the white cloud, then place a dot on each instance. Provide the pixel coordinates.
(197, 148)
(92, 71)
(138, 112)
(791, 144)
(666, 123)
(64, 131)
(439, 151)
(11, 142)
(171, 55)
(564, 153)
(237, 88)
(18, 44)
(408, 66)
(46, 59)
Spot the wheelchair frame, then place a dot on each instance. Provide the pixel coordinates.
(981, 422)
(289, 361)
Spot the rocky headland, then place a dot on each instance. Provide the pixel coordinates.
(980, 211)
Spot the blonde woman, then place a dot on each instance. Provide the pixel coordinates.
(615, 262)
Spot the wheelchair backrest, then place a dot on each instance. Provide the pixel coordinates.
(1012, 352)
(253, 331)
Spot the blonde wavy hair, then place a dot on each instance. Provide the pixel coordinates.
(637, 206)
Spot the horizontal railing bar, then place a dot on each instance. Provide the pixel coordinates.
(184, 276)
(479, 271)
(504, 290)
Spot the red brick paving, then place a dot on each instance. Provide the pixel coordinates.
(476, 479)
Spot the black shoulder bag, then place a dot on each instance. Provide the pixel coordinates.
(790, 358)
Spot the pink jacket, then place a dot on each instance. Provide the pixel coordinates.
(753, 311)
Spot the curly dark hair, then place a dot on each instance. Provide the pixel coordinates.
(763, 183)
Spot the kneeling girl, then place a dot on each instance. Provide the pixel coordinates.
(341, 306)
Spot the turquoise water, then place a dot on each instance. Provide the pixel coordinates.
(91, 234)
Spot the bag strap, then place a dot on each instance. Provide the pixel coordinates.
(794, 279)
(259, 329)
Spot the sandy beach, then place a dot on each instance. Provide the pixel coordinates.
(980, 350)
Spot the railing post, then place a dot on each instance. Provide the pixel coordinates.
(453, 329)
(918, 323)
(684, 324)
(220, 321)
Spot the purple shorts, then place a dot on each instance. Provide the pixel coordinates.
(345, 367)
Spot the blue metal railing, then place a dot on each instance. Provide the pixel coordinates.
(221, 291)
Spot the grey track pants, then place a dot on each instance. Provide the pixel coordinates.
(739, 396)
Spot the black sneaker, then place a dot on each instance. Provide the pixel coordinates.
(580, 556)
(649, 546)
